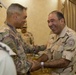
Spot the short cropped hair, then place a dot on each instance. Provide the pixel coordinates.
(15, 8)
(59, 14)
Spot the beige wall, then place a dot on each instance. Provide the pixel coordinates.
(2, 15)
(38, 11)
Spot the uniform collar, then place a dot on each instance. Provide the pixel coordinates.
(12, 27)
(62, 34)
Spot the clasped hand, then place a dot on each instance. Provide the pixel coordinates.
(35, 65)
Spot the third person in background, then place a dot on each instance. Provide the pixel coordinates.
(27, 36)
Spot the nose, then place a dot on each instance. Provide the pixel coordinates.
(49, 24)
(25, 21)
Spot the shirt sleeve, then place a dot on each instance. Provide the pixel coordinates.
(69, 49)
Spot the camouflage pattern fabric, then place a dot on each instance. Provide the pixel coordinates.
(10, 36)
(63, 46)
(28, 38)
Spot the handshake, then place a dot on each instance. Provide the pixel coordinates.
(35, 65)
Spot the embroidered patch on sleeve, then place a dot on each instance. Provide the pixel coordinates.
(71, 42)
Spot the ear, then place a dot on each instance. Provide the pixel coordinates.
(62, 20)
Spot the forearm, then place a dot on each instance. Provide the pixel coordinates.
(42, 47)
(38, 48)
(61, 63)
(29, 49)
(42, 58)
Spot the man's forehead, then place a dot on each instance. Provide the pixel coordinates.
(52, 16)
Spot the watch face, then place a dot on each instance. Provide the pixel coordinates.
(42, 63)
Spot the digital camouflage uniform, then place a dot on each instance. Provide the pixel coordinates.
(63, 46)
(10, 36)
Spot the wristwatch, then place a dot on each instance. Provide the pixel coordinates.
(42, 64)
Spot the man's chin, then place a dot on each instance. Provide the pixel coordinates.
(54, 32)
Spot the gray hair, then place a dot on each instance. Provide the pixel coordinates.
(15, 8)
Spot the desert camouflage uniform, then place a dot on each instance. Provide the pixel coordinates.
(63, 46)
(28, 38)
(10, 36)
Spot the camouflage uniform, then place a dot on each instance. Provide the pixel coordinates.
(10, 36)
(28, 38)
(63, 46)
